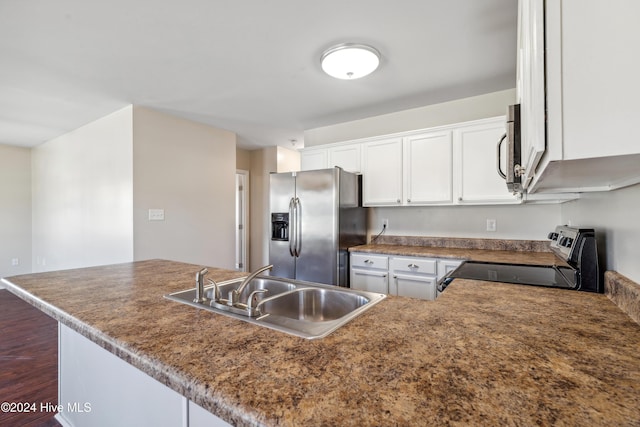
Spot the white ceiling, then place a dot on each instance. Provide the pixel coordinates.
(249, 66)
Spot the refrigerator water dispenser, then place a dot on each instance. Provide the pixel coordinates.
(280, 226)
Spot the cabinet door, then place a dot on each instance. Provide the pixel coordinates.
(428, 168)
(530, 84)
(421, 287)
(382, 172)
(370, 280)
(313, 159)
(346, 157)
(479, 181)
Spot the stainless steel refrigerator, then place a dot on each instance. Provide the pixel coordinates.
(315, 217)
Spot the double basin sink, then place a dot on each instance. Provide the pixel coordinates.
(304, 309)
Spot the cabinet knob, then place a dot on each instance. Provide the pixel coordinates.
(408, 200)
(399, 201)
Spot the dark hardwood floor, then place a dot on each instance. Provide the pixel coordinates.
(28, 362)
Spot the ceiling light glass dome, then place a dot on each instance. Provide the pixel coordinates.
(350, 61)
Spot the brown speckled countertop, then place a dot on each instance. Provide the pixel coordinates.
(481, 354)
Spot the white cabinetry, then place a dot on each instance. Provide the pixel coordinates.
(345, 156)
(313, 159)
(97, 388)
(406, 276)
(530, 83)
(427, 168)
(382, 172)
(369, 272)
(477, 180)
(413, 277)
(591, 85)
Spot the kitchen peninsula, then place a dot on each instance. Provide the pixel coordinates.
(482, 353)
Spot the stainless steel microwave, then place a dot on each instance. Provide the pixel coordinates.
(514, 170)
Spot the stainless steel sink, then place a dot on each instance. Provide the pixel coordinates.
(272, 286)
(304, 309)
(314, 304)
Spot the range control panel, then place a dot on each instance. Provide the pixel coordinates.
(566, 241)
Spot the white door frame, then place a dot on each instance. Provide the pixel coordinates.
(242, 219)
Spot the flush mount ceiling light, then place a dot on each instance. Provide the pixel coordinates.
(350, 61)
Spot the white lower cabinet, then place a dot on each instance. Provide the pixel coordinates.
(414, 286)
(97, 388)
(414, 277)
(369, 272)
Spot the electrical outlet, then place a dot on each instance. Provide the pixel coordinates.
(385, 223)
(491, 225)
(156, 214)
(15, 261)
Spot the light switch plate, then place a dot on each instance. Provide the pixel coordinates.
(156, 214)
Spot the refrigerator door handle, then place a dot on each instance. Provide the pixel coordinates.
(298, 206)
(292, 227)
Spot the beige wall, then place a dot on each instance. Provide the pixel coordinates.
(287, 160)
(614, 215)
(473, 108)
(82, 196)
(187, 169)
(263, 162)
(15, 210)
(243, 159)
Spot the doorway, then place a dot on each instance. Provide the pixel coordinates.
(242, 215)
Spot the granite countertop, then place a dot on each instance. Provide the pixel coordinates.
(483, 353)
(484, 255)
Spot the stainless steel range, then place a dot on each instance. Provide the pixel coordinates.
(579, 271)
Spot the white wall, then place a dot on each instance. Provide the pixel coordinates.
(526, 222)
(615, 216)
(187, 169)
(82, 196)
(15, 210)
(461, 110)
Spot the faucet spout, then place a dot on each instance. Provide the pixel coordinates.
(200, 298)
(234, 296)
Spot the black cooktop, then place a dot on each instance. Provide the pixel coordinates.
(538, 275)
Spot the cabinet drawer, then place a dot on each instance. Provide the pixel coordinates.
(370, 261)
(413, 265)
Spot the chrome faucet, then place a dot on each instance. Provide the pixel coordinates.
(234, 295)
(200, 298)
(216, 290)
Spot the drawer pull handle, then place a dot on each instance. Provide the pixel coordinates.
(412, 266)
(368, 261)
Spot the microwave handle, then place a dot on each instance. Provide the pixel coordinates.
(498, 159)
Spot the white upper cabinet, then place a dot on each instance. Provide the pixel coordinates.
(592, 90)
(477, 179)
(382, 172)
(312, 159)
(428, 168)
(345, 156)
(530, 83)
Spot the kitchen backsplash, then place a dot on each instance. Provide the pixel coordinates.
(466, 243)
